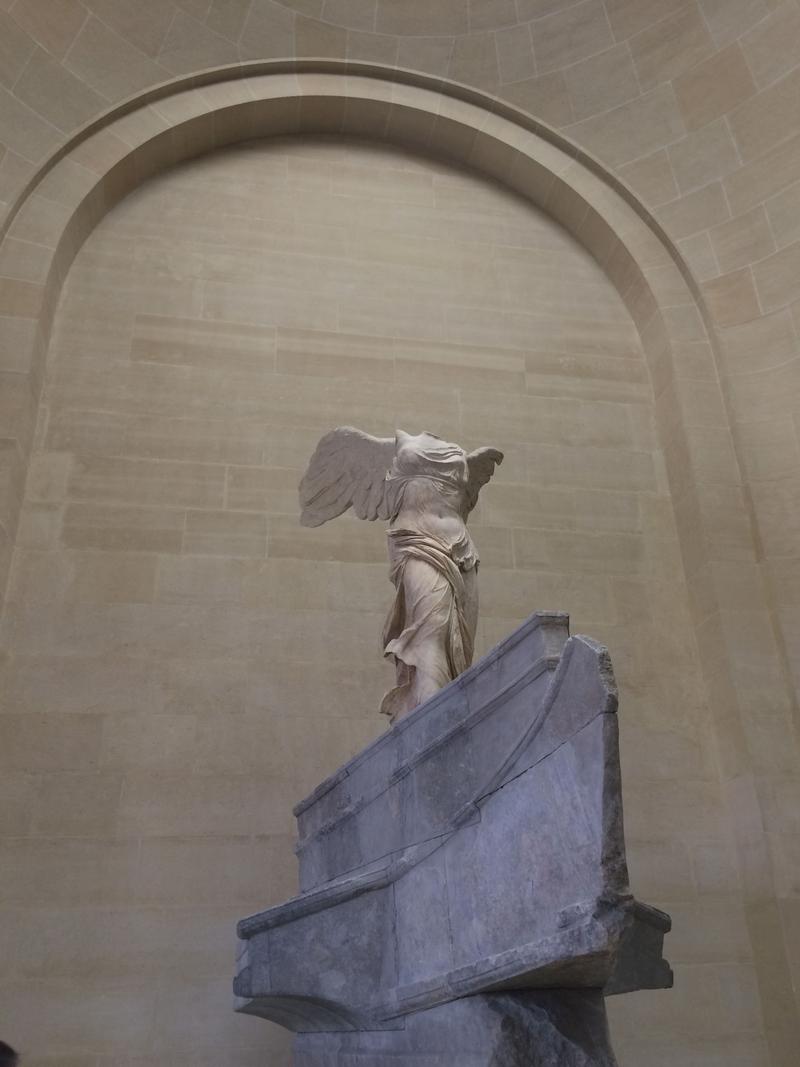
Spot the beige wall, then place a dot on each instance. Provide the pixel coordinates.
(693, 106)
(183, 661)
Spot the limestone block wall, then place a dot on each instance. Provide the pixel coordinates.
(692, 106)
(182, 662)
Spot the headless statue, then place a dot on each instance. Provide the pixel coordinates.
(425, 487)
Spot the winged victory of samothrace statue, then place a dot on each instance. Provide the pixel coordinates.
(425, 488)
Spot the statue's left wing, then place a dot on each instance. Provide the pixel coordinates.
(348, 468)
(480, 464)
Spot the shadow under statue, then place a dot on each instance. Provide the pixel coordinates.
(464, 890)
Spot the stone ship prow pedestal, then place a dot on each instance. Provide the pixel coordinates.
(464, 890)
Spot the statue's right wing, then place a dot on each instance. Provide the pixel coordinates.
(348, 467)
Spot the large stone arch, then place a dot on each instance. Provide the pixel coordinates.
(104, 161)
(108, 159)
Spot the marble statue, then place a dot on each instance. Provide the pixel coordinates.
(425, 487)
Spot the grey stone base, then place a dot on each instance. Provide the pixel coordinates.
(560, 1028)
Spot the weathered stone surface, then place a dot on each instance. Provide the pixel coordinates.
(566, 1028)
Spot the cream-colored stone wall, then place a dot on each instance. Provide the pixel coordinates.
(691, 103)
(182, 661)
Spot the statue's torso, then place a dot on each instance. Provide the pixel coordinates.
(429, 487)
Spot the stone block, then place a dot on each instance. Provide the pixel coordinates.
(695, 211)
(634, 129)
(502, 1030)
(768, 118)
(775, 276)
(225, 533)
(628, 17)
(671, 46)
(413, 860)
(714, 87)
(565, 37)
(742, 240)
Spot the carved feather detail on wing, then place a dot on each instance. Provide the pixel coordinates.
(480, 464)
(348, 468)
